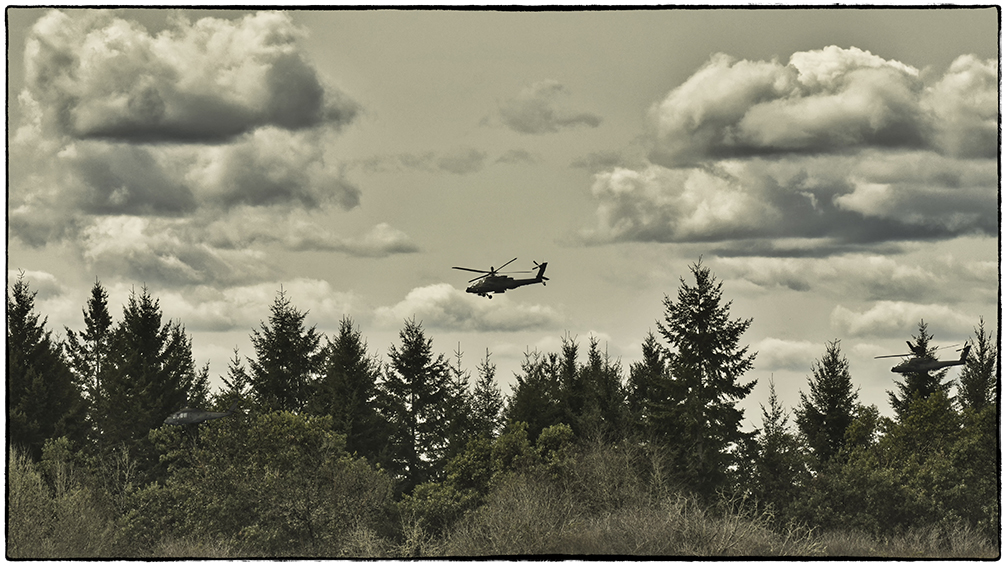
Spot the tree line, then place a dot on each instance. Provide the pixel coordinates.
(332, 440)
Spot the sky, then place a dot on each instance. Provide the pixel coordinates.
(835, 169)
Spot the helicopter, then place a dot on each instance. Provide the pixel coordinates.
(494, 282)
(920, 363)
(189, 415)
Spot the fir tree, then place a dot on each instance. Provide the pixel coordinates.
(151, 374)
(644, 378)
(487, 401)
(604, 413)
(920, 384)
(978, 380)
(347, 390)
(536, 398)
(237, 383)
(88, 351)
(824, 416)
(42, 400)
(287, 359)
(778, 467)
(418, 390)
(695, 411)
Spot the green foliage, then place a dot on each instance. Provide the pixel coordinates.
(824, 416)
(42, 399)
(978, 381)
(347, 390)
(287, 359)
(779, 465)
(694, 411)
(52, 511)
(87, 352)
(417, 387)
(487, 401)
(270, 484)
(151, 374)
(535, 399)
(645, 377)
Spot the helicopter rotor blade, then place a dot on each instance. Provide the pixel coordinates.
(507, 263)
(472, 270)
(892, 356)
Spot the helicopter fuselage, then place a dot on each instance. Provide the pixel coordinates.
(503, 283)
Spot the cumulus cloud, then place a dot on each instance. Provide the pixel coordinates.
(837, 151)
(138, 148)
(776, 354)
(100, 76)
(245, 306)
(445, 307)
(825, 100)
(535, 110)
(887, 318)
(872, 277)
(811, 205)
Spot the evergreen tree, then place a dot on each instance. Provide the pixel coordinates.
(695, 412)
(151, 374)
(978, 380)
(237, 383)
(536, 398)
(919, 384)
(778, 466)
(604, 412)
(824, 416)
(458, 408)
(287, 359)
(487, 401)
(42, 399)
(418, 393)
(87, 352)
(644, 378)
(347, 390)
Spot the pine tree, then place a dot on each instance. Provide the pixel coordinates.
(287, 359)
(644, 377)
(88, 351)
(347, 390)
(978, 380)
(919, 384)
(604, 412)
(536, 398)
(418, 390)
(151, 373)
(778, 469)
(487, 401)
(696, 411)
(458, 408)
(42, 400)
(237, 383)
(824, 416)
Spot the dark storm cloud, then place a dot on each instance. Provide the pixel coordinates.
(535, 111)
(99, 76)
(838, 151)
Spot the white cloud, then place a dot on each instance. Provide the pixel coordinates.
(891, 318)
(776, 354)
(245, 307)
(97, 75)
(445, 307)
(825, 100)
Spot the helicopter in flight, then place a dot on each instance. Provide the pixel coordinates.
(920, 363)
(188, 415)
(494, 282)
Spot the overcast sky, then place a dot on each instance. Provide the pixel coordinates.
(836, 169)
